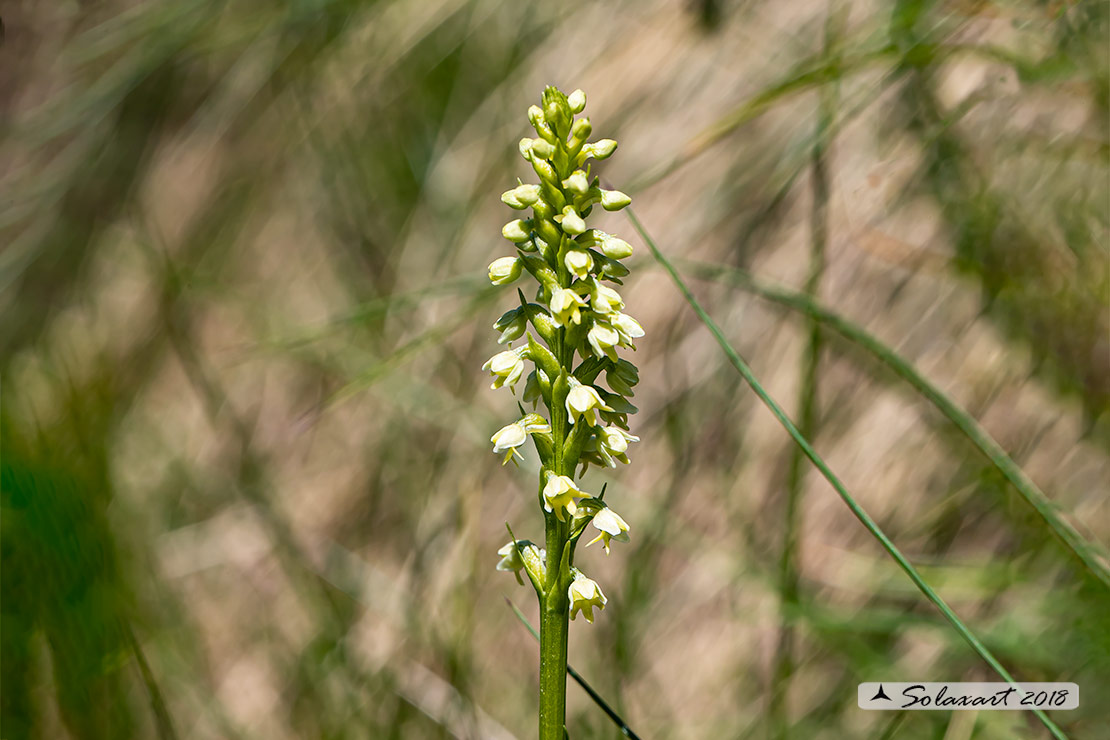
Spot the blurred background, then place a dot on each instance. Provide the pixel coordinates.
(247, 484)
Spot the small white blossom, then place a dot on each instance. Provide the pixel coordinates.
(506, 367)
(584, 401)
(603, 339)
(508, 438)
(579, 262)
(612, 445)
(603, 299)
(585, 594)
(559, 495)
(627, 327)
(611, 526)
(566, 307)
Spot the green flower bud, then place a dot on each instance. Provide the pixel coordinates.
(536, 387)
(517, 231)
(601, 149)
(521, 196)
(577, 183)
(543, 149)
(577, 101)
(504, 270)
(556, 110)
(523, 554)
(615, 248)
(581, 131)
(544, 169)
(543, 128)
(614, 200)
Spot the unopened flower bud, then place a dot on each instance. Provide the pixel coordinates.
(577, 183)
(544, 169)
(622, 377)
(542, 149)
(614, 200)
(600, 149)
(523, 554)
(535, 115)
(517, 230)
(504, 270)
(525, 147)
(577, 101)
(521, 196)
(556, 110)
(581, 130)
(614, 247)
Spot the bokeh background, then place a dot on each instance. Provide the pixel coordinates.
(247, 484)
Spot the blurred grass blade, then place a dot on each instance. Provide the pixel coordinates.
(624, 728)
(1078, 545)
(830, 476)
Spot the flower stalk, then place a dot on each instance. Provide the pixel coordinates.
(570, 332)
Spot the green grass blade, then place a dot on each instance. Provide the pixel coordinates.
(818, 462)
(624, 728)
(1033, 495)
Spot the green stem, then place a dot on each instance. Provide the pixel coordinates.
(554, 602)
(553, 663)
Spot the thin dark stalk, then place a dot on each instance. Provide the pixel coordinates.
(162, 719)
(597, 698)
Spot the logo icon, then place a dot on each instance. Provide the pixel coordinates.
(880, 694)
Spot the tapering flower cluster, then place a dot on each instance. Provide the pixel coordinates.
(570, 332)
